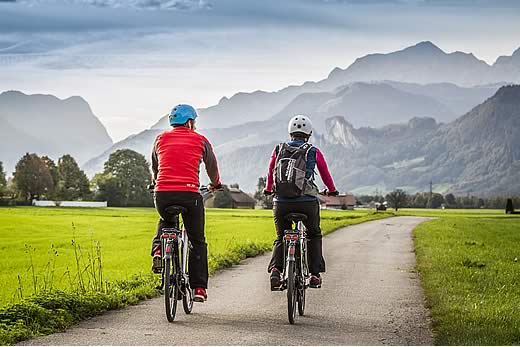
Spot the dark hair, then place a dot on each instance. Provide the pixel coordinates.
(299, 136)
(182, 125)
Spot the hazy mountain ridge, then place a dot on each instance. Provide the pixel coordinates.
(47, 125)
(479, 153)
(375, 135)
(423, 63)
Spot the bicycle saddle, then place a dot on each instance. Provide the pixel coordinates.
(175, 210)
(296, 217)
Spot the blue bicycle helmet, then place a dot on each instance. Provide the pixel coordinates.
(181, 114)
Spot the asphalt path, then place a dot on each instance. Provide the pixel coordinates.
(370, 296)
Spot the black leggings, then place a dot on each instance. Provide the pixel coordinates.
(314, 252)
(194, 224)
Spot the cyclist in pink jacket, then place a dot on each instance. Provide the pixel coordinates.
(290, 178)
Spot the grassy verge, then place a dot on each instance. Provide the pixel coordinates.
(469, 263)
(53, 281)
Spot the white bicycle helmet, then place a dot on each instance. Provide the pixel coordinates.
(300, 124)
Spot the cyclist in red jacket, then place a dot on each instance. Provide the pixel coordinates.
(176, 159)
(291, 178)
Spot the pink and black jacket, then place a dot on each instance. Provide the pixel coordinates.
(315, 159)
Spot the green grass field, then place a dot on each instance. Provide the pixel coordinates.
(125, 237)
(469, 261)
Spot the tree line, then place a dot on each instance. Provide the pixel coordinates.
(126, 174)
(122, 183)
(401, 199)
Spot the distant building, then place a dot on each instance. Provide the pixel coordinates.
(340, 202)
(241, 199)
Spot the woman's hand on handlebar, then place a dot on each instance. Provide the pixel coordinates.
(327, 193)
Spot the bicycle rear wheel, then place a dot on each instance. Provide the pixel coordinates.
(187, 298)
(171, 290)
(291, 292)
(302, 275)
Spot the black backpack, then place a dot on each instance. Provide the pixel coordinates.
(289, 171)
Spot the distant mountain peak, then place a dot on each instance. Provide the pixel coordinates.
(340, 132)
(508, 95)
(424, 47)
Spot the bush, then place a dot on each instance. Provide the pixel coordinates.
(55, 311)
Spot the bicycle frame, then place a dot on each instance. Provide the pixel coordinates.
(174, 244)
(295, 249)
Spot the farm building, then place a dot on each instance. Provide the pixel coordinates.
(237, 199)
(241, 199)
(340, 202)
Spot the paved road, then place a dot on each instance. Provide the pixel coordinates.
(370, 296)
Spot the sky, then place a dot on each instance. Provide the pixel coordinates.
(133, 60)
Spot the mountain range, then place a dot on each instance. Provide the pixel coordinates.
(47, 125)
(401, 119)
(478, 153)
(423, 63)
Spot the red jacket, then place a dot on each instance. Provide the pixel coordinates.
(176, 159)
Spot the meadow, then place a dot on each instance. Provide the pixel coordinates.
(44, 240)
(469, 261)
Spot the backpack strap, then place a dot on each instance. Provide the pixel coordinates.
(306, 147)
(278, 148)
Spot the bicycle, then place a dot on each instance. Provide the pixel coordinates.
(175, 251)
(295, 276)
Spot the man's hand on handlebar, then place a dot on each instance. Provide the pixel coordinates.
(215, 187)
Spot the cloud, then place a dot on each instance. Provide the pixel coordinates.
(138, 4)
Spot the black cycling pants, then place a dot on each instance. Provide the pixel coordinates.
(314, 248)
(194, 224)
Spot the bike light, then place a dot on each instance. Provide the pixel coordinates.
(295, 237)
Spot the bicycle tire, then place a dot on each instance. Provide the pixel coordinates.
(301, 283)
(187, 298)
(171, 291)
(291, 292)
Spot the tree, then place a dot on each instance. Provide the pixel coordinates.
(265, 201)
(436, 201)
(3, 181)
(125, 179)
(72, 182)
(450, 200)
(397, 198)
(223, 198)
(109, 189)
(32, 177)
(53, 169)
(509, 206)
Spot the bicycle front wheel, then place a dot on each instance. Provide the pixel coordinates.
(301, 298)
(291, 292)
(171, 291)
